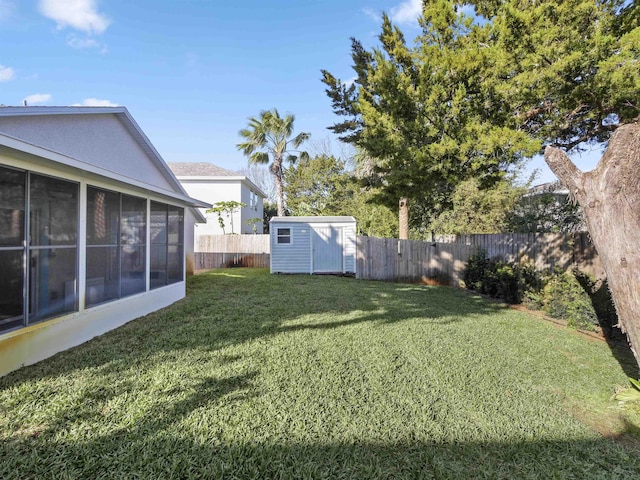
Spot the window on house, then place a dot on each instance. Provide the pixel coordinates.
(116, 245)
(283, 235)
(12, 226)
(167, 244)
(103, 255)
(38, 242)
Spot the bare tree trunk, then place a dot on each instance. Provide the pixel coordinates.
(403, 218)
(610, 198)
(276, 169)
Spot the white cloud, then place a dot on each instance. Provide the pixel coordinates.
(372, 14)
(6, 73)
(83, 43)
(6, 9)
(38, 98)
(95, 102)
(78, 14)
(407, 12)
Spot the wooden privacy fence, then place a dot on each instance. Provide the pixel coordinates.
(414, 261)
(225, 251)
(443, 262)
(233, 244)
(546, 250)
(211, 260)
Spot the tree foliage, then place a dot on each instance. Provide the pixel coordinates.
(269, 137)
(479, 211)
(226, 208)
(567, 71)
(317, 186)
(545, 210)
(322, 185)
(422, 111)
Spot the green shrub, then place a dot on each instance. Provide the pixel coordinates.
(476, 270)
(496, 278)
(563, 297)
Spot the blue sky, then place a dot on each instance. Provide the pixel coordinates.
(192, 71)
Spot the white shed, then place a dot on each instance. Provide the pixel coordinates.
(313, 244)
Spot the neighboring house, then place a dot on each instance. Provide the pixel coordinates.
(548, 208)
(214, 184)
(94, 228)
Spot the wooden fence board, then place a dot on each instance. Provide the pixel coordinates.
(211, 260)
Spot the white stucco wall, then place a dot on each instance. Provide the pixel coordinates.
(248, 213)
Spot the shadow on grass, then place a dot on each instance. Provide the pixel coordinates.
(127, 454)
(224, 308)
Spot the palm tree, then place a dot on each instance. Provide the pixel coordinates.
(268, 137)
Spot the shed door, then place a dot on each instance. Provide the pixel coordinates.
(326, 243)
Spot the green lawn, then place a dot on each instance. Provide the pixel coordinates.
(259, 376)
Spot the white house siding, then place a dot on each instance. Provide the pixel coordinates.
(349, 248)
(294, 257)
(249, 212)
(113, 148)
(221, 191)
(218, 190)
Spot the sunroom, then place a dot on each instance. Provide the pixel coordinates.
(92, 228)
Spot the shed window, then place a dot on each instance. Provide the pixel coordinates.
(284, 235)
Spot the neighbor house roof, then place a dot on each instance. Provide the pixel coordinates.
(205, 171)
(199, 169)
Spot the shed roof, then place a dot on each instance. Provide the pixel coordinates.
(312, 219)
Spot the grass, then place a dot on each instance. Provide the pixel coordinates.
(259, 376)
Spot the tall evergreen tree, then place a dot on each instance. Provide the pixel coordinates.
(421, 111)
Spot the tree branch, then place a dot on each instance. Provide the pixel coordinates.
(564, 168)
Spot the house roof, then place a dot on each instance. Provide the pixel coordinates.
(199, 169)
(122, 114)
